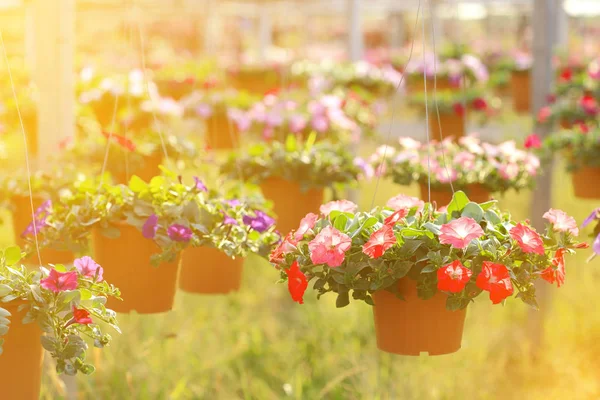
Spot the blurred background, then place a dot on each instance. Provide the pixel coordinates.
(257, 343)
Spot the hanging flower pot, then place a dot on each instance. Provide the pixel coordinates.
(256, 79)
(145, 288)
(520, 83)
(123, 167)
(21, 359)
(221, 132)
(294, 174)
(450, 124)
(411, 326)
(23, 227)
(443, 196)
(438, 261)
(585, 181)
(66, 303)
(206, 270)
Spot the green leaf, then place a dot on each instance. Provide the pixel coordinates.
(429, 268)
(401, 268)
(4, 312)
(137, 184)
(85, 294)
(12, 255)
(458, 202)
(455, 303)
(48, 343)
(491, 216)
(409, 248)
(416, 232)
(342, 300)
(291, 144)
(5, 290)
(433, 228)
(310, 141)
(488, 204)
(473, 210)
(340, 222)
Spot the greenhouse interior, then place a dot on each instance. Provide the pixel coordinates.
(250, 164)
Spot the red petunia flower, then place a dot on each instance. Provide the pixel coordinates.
(583, 127)
(566, 75)
(121, 140)
(81, 316)
(453, 277)
(396, 216)
(459, 109)
(557, 272)
(529, 240)
(60, 281)
(479, 104)
(544, 114)
(533, 142)
(297, 283)
(381, 240)
(494, 278)
(589, 105)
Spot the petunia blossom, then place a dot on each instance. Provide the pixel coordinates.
(60, 281)
(533, 141)
(287, 245)
(199, 185)
(453, 277)
(179, 233)
(556, 273)
(528, 239)
(297, 283)
(306, 224)
(329, 247)
(380, 241)
(88, 267)
(338, 205)
(460, 232)
(81, 316)
(561, 221)
(260, 222)
(404, 201)
(495, 279)
(150, 227)
(396, 216)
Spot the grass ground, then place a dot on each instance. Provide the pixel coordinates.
(258, 345)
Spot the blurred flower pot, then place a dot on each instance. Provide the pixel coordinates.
(22, 217)
(566, 124)
(585, 182)
(31, 132)
(126, 262)
(451, 125)
(476, 193)
(206, 270)
(415, 85)
(176, 89)
(121, 172)
(221, 132)
(413, 326)
(520, 82)
(290, 203)
(21, 360)
(256, 82)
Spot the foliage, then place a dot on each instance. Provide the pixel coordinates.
(67, 304)
(474, 100)
(451, 69)
(309, 163)
(580, 148)
(468, 249)
(497, 168)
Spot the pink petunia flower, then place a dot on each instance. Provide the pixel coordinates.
(88, 267)
(528, 239)
(338, 205)
(460, 232)
(561, 222)
(533, 141)
(329, 247)
(60, 281)
(179, 233)
(306, 224)
(403, 201)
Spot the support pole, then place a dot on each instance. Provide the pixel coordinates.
(30, 37)
(562, 26)
(54, 75)
(265, 34)
(544, 25)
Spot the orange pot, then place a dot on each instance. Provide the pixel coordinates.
(520, 83)
(221, 133)
(585, 182)
(452, 125)
(21, 361)
(416, 85)
(290, 203)
(413, 326)
(256, 82)
(22, 217)
(147, 171)
(126, 262)
(566, 124)
(476, 193)
(209, 271)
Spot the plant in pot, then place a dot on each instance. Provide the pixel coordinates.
(179, 80)
(255, 78)
(223, 114)
(580, 147)
(421, 267)
(520, 81)
(56, 309)
(454, 108)
(294, 174)
(573, 107)
(480, 169)
(48, 185)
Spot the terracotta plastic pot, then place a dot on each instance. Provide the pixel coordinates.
(21, 361)
(566, 124)
(413, 326)
(126, 262)
(416, 85)
(21, 216)
(290, 203)
(221, 133)
(520, 83)
(585, 182)
(207, 270)
(147, 171)
(452, 125)
(257, 82)
(442, 197)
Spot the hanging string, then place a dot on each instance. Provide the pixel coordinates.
(14, 93)
(380, 168)
(109, 139)
(427, 119)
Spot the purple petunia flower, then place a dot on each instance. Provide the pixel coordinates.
(40, 216)
(594, 215)
(150, 227)
(233, 202)
(260, 222)
(227, 220)
(204, 110)
(199, 185)
(179, 233)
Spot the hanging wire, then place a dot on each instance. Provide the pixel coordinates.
(427, 120)
(379, 169)
(14, 93)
